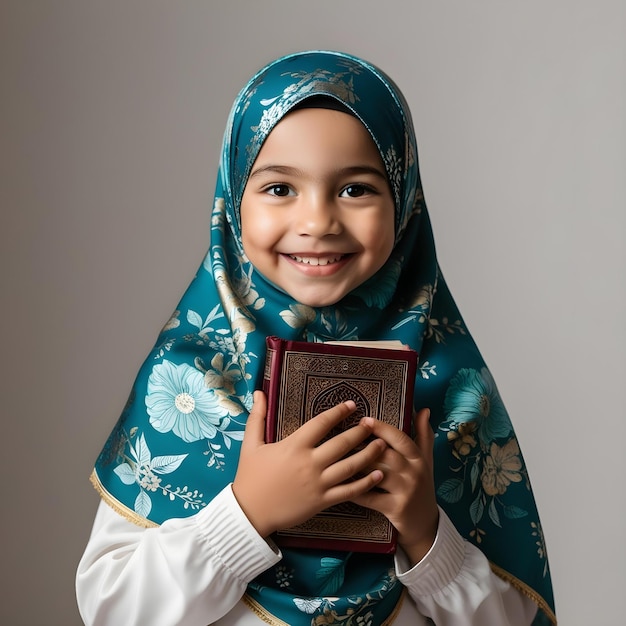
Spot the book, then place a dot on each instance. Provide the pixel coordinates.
(302, 379)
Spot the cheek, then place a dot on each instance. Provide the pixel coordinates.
(257, 236)
(382, 239)
(386, 248)
(247, 230)
(260, 231)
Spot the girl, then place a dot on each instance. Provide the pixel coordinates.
(319, 231)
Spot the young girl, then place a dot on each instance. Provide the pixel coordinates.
(319, 231)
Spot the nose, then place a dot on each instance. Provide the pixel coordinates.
(317, 216)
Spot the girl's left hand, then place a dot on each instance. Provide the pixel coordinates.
(406, 494)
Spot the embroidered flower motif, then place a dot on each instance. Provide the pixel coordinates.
(245, 287)
(283, 576)
(472, 397)
(222, 380)
(328, 617)
(344, 91)
(322, 81)
(148, 480)
(537, 531)
(179, 401)
(234, 346)
(218, 377)
(410, 152)
(365, 620)
(393, 165)
(236, 314)
(269, 119)
(416, 202)
(218, 218)
(331, 324)
(298, 315)
(502, 467)
(463, 438)
(173, 322)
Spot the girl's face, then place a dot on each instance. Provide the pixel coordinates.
(317, 214)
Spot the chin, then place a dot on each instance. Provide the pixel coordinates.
(316, 301)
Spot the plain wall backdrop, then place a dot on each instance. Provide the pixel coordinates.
(111, 116)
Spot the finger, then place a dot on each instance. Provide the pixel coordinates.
(393, 437)
(339, 446)
(356, 463)
(373, 499)
(255, 426)
(424, 436)
(391, 462)
(313, 431)
(350, 491)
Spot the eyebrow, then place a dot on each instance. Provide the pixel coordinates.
(287, 170)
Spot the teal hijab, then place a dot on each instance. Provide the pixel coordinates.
(177, 443)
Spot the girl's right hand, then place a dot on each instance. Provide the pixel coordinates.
(279, 485)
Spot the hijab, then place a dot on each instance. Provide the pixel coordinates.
(177, 442)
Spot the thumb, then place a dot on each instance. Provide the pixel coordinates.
(255, 427)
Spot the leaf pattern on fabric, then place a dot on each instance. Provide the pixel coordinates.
(438, 329)
(144, 470)
(331, 575)
(426, 370)
(418, 310)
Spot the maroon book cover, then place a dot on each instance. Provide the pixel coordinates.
(301, 380)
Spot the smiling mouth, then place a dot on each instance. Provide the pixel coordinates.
(315, 260)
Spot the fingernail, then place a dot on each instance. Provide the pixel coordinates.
(350, 404)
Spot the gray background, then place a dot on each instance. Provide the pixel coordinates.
(111, 115)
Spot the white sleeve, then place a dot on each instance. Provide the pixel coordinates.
(191, 570)
(454, 585)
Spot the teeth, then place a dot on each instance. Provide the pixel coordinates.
(314, 260)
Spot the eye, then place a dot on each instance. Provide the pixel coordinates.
(279, 190)
(355, 191)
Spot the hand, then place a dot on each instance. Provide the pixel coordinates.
(279, 485)
(406, 495)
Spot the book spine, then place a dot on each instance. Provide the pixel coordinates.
(271, 383)
(407, 424)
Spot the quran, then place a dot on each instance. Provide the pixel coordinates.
(302, 379)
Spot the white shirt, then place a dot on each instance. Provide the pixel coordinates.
(194, 571)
